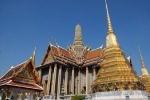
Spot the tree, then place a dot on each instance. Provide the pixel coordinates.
(76, 97)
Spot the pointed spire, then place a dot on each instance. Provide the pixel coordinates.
(78, 35)
(33, 55)
(110, 29)
(111, 39)
(144, 70)
(142, 61)
(78, 45)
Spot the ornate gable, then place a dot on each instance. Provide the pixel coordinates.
(26, 74)
(49, 56)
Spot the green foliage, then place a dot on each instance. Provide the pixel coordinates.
(76, 97)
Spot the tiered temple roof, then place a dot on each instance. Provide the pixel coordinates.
(22, 76)
(65, 56)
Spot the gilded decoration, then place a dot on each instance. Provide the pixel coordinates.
(49, 58)
(26, 74)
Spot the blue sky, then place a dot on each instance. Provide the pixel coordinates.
(26, 24)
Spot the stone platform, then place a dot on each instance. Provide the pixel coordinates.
(121, 95)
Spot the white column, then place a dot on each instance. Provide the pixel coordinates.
(72, 84)
(54, 80)
(31, 96)
(94, 72)
(87, 80)
(11, 92)
(49, 80)
(66, 80)
(79, 82)
(59, 81)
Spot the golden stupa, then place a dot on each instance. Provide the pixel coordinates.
(116, 72)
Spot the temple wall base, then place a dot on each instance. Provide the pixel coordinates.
(121, 95)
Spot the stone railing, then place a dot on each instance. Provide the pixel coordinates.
(48, 97)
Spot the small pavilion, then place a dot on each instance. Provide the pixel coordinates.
(21, 82)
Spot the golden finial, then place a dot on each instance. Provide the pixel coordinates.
(110, 29)
(33, 55)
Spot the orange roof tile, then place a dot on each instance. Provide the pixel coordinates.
(55, 51)
(64, 52)
(102, 54)
(9, 73)
(31, 86)
(93, 53)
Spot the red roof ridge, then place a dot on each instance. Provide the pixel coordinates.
(13, 68)
(13, 83)
(20, 64)
(39, 86)
(62, 48)
(95, 49)
(7, 82)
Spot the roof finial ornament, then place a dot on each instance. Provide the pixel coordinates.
(110, 29)
(33, 55)
(56, 43)
(102, 46)
(49, 42)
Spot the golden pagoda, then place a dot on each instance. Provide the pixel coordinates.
(145, 76)
(116, 72)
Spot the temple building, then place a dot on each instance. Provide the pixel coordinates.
(79, 70)
(21, 82)
(71, 70)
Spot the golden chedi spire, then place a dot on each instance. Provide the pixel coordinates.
(115, 73)
(145, 76)
(111, 39)
(110, 29)
(144, 70)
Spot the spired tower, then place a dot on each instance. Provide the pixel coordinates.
(145, 76)
(77, 48)
(116, 72)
